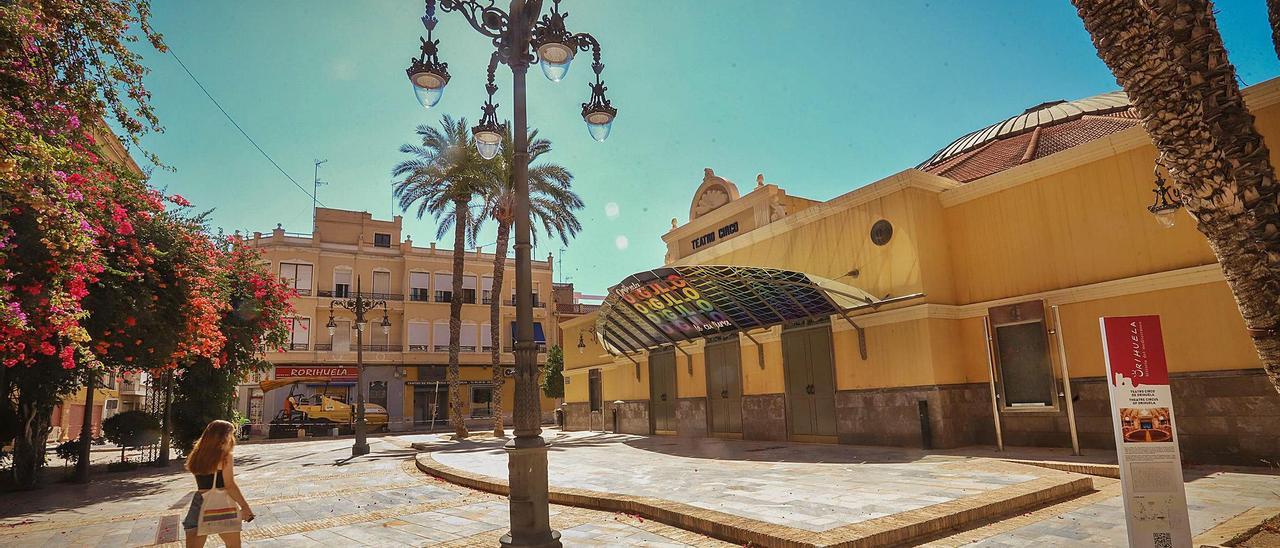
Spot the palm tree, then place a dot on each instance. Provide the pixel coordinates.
(1169, 57)
(443, 177)
(551, 203)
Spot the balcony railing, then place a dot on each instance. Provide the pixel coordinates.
(297, 346)
(420, 295)
(419, 348)
(363, 294)
(328, 347)
(542, 347)
(536, 303)
(442, 348)
(302, 292)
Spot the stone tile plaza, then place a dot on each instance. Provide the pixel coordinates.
(805, 274)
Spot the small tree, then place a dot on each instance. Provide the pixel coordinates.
(131, 429)
(553, 373)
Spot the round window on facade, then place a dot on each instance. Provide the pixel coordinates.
(881, 232)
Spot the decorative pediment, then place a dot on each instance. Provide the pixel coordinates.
(714, 193)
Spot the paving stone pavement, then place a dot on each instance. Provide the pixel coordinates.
(814, 487)
(310, 492)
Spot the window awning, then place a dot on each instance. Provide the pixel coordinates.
(671, 305)
(538, 335)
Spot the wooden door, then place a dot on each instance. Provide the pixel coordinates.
(662, 391)
(809, 369)
(724, 386)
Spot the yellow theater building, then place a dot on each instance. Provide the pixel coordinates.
(950, 304)
(349, 252)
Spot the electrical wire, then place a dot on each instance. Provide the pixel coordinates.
(237, 126)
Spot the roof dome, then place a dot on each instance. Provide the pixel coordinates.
(1038, 131)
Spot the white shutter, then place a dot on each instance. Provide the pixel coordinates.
(342, 276)
(301, 330)
(486, 333)
(419, 280)
(304, 277)
(342, 336)
(444, 282)
(419, 334)
(468, 336)
(440, 334)
(468, 282)
(382, 282)
(486, 283)
(288, 273)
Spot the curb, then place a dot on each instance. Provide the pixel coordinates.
(1102, 470)
(1238, 528)
(901, 528)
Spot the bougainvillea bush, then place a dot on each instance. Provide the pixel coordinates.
(98, 271)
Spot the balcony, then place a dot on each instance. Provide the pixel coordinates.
(536, 303)
(419, 348)
(542, 348)
(328, 347)
(340, 294)
(419, 295)
(297, 346)
(302, 292)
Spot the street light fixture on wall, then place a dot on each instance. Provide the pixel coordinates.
(1166, 201)
(520, 36)
(359, 306)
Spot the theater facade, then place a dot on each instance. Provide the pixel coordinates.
(951, 304)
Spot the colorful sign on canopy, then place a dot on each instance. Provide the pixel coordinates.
(653, 308)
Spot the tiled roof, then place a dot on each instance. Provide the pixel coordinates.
(1039, 131)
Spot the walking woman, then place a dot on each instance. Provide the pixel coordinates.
(210, 461)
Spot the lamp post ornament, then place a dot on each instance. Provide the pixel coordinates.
(359, 306)
(521, 35)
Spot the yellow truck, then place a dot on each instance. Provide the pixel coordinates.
(319, 414)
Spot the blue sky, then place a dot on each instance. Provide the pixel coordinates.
(821, 97)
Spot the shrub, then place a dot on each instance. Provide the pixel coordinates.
(131, 429)
(69, 451)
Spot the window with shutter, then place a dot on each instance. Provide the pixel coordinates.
(418, 284)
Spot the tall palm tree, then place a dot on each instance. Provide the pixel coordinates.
(1169, 57)
(444, 177)
(551, 203)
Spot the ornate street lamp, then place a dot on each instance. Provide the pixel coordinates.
(1166, 202)
(521, 35)
(359, 306)
(427, 74)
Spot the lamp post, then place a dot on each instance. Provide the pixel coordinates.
(521, 35)
(359, 306)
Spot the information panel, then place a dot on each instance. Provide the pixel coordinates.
(1155, 501)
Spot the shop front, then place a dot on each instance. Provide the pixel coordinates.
(384, 386)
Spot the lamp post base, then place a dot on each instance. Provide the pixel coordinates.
(359, 449)
(527, 474)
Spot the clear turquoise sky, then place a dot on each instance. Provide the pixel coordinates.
(821, 97)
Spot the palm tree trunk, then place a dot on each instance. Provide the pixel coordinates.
(1170, 60)
(495, 323)
(456, 417)
(1273, 14)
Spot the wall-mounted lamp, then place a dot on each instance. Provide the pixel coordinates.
(1166, 202)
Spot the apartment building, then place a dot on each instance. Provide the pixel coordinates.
(350, 252)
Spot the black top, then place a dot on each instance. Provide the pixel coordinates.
(205, 481)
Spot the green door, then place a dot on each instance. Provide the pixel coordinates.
(724, 386)
(810, 380)
(662, 390)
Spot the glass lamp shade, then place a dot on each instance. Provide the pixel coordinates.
(332, 329)
(487, 143)
(386, 326)
(555, 58)
(598, 124)
(1166, 217)
(428, 87)
(361, 325)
